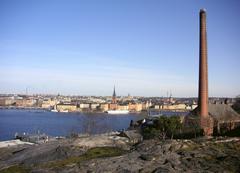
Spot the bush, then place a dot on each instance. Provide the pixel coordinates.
(162, 127)
(150, 133)
(170, 127)
(236, 105)
(189, 133)
(232, 133)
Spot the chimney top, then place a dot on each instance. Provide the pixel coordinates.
(203, 10)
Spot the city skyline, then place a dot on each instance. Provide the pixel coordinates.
(144, 48)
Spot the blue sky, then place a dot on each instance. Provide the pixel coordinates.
(144, 47)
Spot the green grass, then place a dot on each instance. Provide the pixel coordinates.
(15, 169)
(98, 152)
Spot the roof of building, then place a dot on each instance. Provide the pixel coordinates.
(220, 112)
(65, 104)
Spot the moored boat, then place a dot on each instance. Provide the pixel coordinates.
(118, 112)
(64, 111)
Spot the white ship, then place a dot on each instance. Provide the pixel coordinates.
(64, 111)
(55, 110)
(118, 112)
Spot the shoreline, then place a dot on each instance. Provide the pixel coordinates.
(49, 110)
(91, 111)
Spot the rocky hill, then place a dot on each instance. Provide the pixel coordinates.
(116, 154)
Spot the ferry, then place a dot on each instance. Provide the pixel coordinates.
(118, 112)
(54, 110)
(64, 111)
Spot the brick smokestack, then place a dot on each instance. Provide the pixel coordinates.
(203, 67)
(203, 76)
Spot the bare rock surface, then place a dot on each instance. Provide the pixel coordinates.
(101, 141)
(75, 155)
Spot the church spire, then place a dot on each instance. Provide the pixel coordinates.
(114, 96)
(114, 92)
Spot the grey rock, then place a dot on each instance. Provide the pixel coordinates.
(147, 157)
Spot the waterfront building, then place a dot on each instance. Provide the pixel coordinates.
(135, 107)
(113, 105)
(26, 102)
(145, 106)
(62, 107)
(157, 106)
(104, 107)
(48, 103)
(94, 106)
(84, 105)
(6, 101)
(122, 107)
(180, 106)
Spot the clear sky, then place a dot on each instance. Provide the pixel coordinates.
(144, 47)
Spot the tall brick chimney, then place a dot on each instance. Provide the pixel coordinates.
(203, 77)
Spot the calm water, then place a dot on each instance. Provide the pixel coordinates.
(60, 124)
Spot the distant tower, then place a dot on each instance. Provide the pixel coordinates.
(26, 91)
(203, 76)
(114, 100)
(170, 98)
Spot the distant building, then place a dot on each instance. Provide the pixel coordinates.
(7, 101)
(113, 105)
(122, 107)
(61, 107)
(157, 106)
(104, 107)
(26, 102)
(181, 106)
(135, 107)
(94, 106)
(49, 103)
(84, 105)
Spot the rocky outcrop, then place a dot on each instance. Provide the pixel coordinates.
(201, 155)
